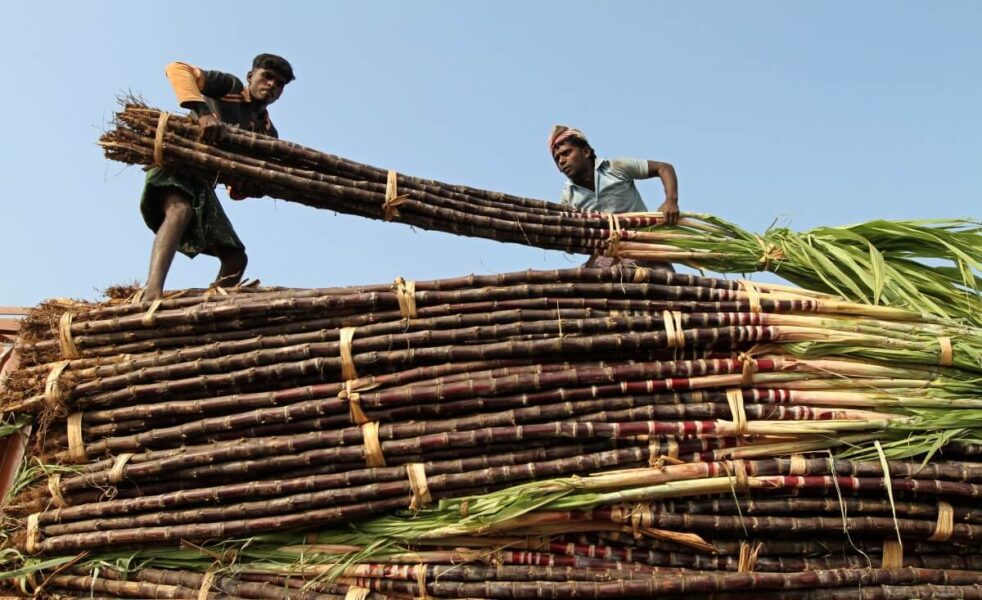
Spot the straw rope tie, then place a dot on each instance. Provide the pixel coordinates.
(421, 582)
(673, 328)
(798, 466)
(351, 395)
(54, 396)
(76, 443)
(356, 593)
(495, 558)
(669, 323)
(898, 552)
(393, 200)
(206, 581)
(617, 514)
(68, 348)
(753, 295)
(614, 241)
(33, 543)
(769, 252)
(54, 486)
(417, 483)
(673, 449)
(116, 473)
(679, 332)
(741, 480)
(215, 290)
(734, 397)
(373, 449)
(945, 527)
(347, 360)
(893, 554)
(748, 557)
(749, 368)
(158, 139)
(654, 454)
(641, 518)
(947, 352)
(149, 318)
(136, 297)
(460, 556)
(640, 275)
(406, 296)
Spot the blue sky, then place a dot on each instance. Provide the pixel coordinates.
(823, 113)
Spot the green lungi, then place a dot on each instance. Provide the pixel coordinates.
(209, 231)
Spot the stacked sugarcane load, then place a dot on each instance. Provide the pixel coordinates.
(878, 262)
(620, 432)
(592, 432)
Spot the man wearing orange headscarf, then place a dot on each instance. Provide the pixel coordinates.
(607, 185)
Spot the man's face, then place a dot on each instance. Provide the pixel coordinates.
(265, 86)
(573, 161)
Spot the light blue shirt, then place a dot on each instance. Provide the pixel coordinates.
(614, 182)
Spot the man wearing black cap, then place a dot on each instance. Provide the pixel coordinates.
(184, 211)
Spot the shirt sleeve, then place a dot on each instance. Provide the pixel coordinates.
(629, 168)
(217, 84)
(191, 84)
(187, 81)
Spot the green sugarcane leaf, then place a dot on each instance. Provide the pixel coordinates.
(829, 268)
(33, 567)
(939, 238)
(878, 267)
(968, 277)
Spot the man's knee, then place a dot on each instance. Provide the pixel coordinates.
(176, 207)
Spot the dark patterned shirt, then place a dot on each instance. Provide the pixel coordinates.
(221, 94)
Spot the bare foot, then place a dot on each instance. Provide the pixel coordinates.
(151, 295)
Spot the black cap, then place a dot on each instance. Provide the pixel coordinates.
(277, 64)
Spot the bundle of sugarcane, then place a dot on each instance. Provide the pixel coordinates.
(528, 567)
(758, 500)
(426, 577)
(880, 262)
(511, 545)
(215, 416)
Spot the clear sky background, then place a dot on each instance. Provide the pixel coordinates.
(823, 113)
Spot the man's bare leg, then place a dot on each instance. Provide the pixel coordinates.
(233, 266)
(177, 214)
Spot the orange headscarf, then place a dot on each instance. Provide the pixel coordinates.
(561, 133)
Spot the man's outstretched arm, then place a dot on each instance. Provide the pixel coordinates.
(666, 172)
(191, 85)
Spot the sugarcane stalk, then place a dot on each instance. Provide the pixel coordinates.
(699, 583)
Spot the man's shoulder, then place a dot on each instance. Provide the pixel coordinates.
(220, 73)
(223, 81)
(627, 168)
